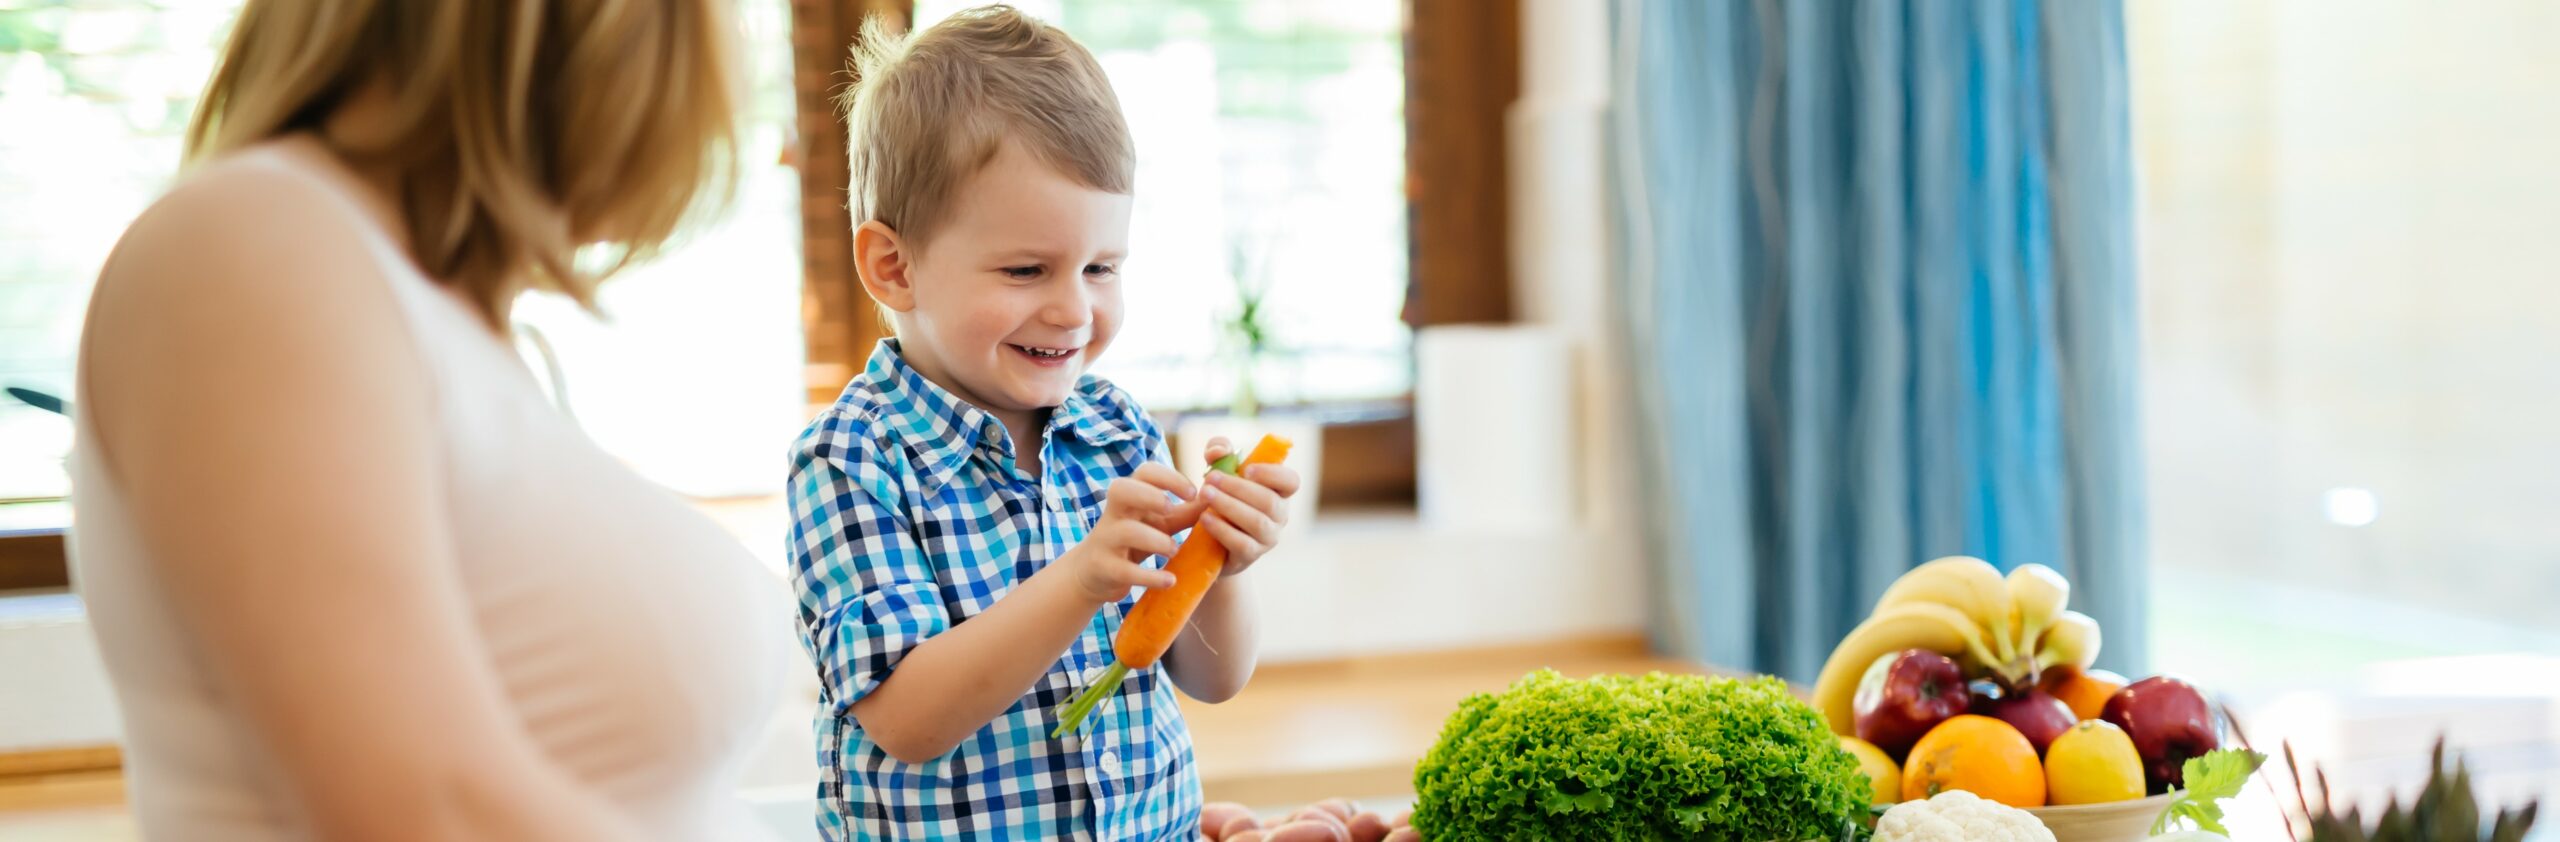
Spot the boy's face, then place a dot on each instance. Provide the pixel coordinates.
(1019, 292)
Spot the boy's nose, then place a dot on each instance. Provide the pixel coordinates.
(1069, 306)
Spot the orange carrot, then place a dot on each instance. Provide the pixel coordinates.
(1150, 628)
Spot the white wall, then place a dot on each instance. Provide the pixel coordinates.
(2347, 223)
(53, 688)
(1563, 243)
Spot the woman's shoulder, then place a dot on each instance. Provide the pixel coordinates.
(247, 263)
(244, 272)
(259, 212)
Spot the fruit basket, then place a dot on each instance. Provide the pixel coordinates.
(2120, 821)
(1965, 679)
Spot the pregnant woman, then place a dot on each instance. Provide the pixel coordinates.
(354, 578)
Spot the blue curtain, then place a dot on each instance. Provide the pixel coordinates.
(1879, 297)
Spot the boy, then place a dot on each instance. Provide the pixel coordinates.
(974, 472)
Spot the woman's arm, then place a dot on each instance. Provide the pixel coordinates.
(258, 399)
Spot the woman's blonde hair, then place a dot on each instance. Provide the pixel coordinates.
(523, 130)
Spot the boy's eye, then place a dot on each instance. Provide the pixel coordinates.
(1101, 270)
(1021, 273)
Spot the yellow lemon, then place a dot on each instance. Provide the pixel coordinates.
(2093, 763)
(1880, 768)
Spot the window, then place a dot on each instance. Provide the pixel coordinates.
(695, 379)
(2352, 354)
(1270, 139)
(93, 98)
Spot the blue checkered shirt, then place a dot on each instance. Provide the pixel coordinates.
(908, 516)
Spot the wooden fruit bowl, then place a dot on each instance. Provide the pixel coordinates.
(2121, 821)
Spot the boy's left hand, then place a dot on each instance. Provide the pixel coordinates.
(1246, 512)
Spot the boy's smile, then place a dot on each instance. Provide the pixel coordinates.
(1018, 291)
(1047, 356)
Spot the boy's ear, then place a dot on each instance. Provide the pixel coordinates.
(881, 258)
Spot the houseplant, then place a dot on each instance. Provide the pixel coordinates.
(1247, 344)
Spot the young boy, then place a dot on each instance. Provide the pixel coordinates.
(970, 517)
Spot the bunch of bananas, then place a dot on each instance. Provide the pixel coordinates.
(2006, 629)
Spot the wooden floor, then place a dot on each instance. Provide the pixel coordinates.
(1301, 733)
(98, 789)
(1354, 728)
(63, 794)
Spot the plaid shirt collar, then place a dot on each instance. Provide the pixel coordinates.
(938, 457)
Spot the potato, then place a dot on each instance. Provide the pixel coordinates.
(1368, 827)
(1234, 825)
(1341, 808)
(1254, 835)
(1403, 819)
(1320, 815)
(1214, 819)
(1405, 834)
(1307, 831)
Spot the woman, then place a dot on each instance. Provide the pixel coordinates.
(353, 577)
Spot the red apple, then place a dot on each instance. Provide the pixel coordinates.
(1905, 694)
(2169, 722)
(2036, 714)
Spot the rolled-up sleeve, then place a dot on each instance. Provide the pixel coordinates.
(867, 592)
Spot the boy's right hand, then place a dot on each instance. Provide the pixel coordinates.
(1138, 520)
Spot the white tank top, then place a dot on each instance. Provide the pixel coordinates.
(643, 648)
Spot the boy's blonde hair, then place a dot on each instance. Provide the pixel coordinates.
(522, 130)
(932, 110)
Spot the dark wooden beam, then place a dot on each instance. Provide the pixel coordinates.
(33, 559)
(1462, 72)
(837, 317)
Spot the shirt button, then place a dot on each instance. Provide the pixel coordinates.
(1110, 763)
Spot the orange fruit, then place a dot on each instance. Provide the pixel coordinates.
(1881, 771)
(1977, 754)
(2085, 693)
(2093, 763)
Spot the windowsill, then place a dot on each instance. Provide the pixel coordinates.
(35, 516)
(1330, 412)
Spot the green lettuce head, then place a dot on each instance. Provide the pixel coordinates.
(1652, 757)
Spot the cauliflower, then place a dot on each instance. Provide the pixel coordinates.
(1959, 816)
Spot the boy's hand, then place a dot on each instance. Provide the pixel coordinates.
(1137, 521)
(1246, 513)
